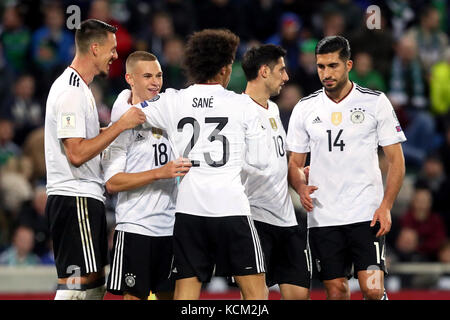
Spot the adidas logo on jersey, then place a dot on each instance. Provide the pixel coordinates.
(317, 120)
(139, 137)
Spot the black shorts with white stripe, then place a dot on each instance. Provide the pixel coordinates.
(287, 255)
(220, 246)
(140, 264)
(79, 234)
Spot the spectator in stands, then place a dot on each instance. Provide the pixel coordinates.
(33, 149)
(428, 225)
(434, 177)
(343, 14)
(288, 98)
(32, 214)
(15, 38)
(378, 43)
(183, 14)
(222, 14)
(431, 41)
(289, 37)
(407, 94)
(104, 112)
(399, 14)
(406, 247)
(306, 73)
(444, 252)
(173, 73)
(444, 150)
(268, 13)
(20, 252)
(406, 81)
(24, 109)
(364, 74)
(152, 39)
(440, 89)
(8, 148)
(333, 23)
(52, 47)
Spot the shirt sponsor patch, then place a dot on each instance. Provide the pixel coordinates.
(68, 121)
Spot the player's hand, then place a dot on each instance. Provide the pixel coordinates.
(132, 118)
(305, 198)
(177, 168)
(384, 216)
(306, 172)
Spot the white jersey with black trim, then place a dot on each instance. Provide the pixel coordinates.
(217, 130)
(343, 139)
(148, 210)
(71, 113)
(267, 190)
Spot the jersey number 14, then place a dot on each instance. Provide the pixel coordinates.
(337, 143)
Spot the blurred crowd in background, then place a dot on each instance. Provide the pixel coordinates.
(408, 58)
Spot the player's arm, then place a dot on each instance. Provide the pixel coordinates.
(123, 181)
(298, 179)
(81, 150)
(394, 180)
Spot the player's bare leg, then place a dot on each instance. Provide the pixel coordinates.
(253, 287)
(129, 296)
(95, 281)
(372, 284)
(293, 292)
(337, 289)
(187, 289)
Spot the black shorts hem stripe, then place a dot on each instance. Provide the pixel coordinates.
(88, 250)
(258, 250)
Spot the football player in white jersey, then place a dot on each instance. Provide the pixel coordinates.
(140, 165)
(283, 242)
(342, 126)
(75, 206)
(216, 129)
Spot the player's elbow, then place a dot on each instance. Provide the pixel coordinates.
(75, 160)
(111, 188)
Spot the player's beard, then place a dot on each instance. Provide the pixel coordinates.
(338, 87)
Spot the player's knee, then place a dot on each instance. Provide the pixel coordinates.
(256, 293)
(373, 294)
(338, 291)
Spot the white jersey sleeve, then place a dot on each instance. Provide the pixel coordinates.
(388, 127)
(297, 139)
(257, 149)
(158, 110)
(71, 114)
(120, 105)
(114, 158)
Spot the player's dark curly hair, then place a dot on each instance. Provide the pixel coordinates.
(207, 51)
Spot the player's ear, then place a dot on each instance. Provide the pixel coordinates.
(349, 64)
(95, 48)
(264, 71)
(129, 79)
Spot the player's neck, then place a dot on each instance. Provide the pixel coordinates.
(85, 68)
(135, 99)
(338, 95)
(257, 93)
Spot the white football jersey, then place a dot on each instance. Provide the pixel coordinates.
(71, 113)
(267, 190)
(148, 210)
(217, 130)
(343, 139)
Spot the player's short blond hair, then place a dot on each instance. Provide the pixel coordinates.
(138, 56)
